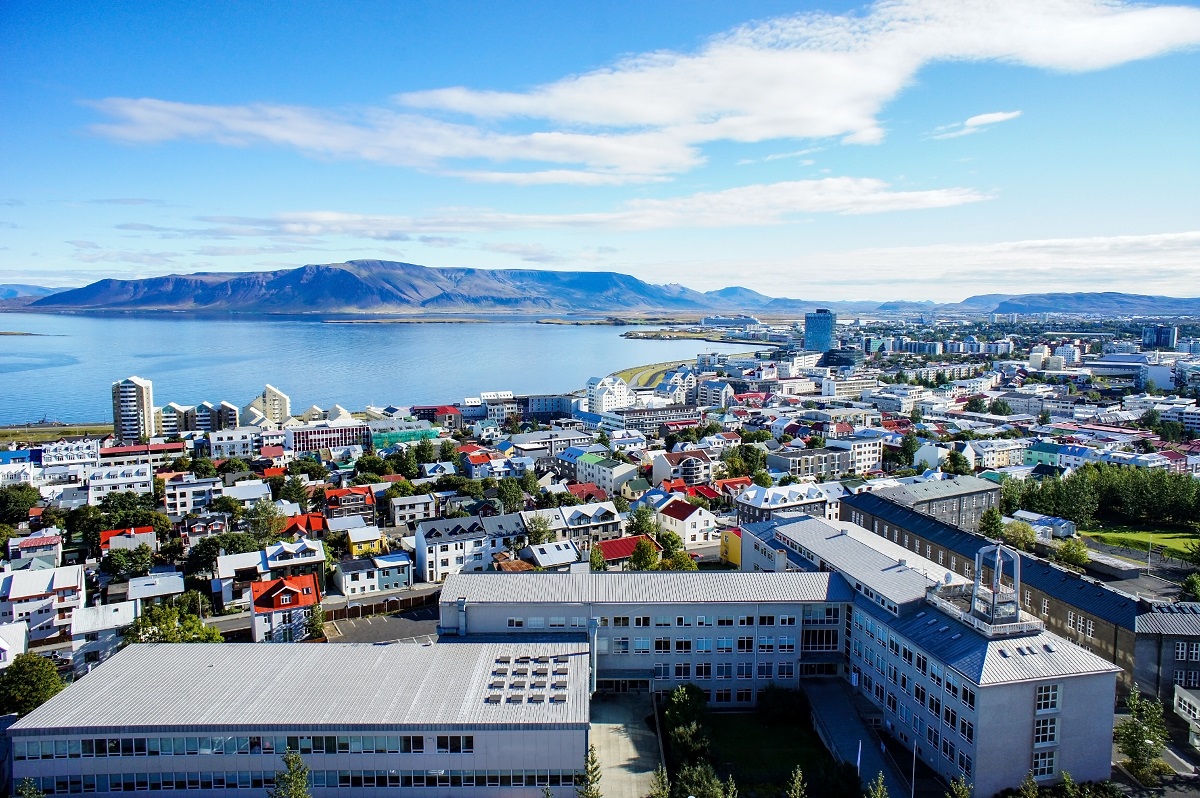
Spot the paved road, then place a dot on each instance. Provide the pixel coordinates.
(418, 625)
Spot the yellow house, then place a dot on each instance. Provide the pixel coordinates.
(364, 541)
(731, 545)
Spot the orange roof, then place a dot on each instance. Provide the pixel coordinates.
(289, 593)
(622, 548)
(107, 535)
(274, 472)
(308, 523)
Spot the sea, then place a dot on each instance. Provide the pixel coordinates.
(64, 370)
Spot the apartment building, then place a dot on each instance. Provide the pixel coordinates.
(45, 599)
(188, 493)
(155, 455)
(373, 574)
(448, 546)
(757, 503)
(235, 573)
(821, 463)
(406, 510)
(866, 453)
(582, 524)
(122, 479)
(358, 501)
(695, 525)
(449, 719)
(694, 467)
(133, 409)
(71, 452)
(647, 420)
(240, 442)
(956, 500)
(604, 472)
(326, 435)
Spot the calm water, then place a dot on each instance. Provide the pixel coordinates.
(66, 372)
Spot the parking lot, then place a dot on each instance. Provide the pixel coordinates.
(419, 625)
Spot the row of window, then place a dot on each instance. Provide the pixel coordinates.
(711, 620)
(320, 779)
(939, 676)
(815, 640)
(932, 733)
(1187, 678)
(724, 670)
(1187, 651)
(101, 747)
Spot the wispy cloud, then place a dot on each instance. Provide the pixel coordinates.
(975, 124)
(11, 203)
(533, 253)
(141, 257)
(127, 201)
(779, 156)
(646, 117)
(441, 241)
(84, 244)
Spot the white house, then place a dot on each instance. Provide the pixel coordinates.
(694, 525)
(119, 479)
(44, 599)
(98, 632)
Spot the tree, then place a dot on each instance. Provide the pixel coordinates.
(1019, 535)
(529, 482)
(16, 501)
(876, 788)
(371, 464)
(916, 416)
(314, 624)
(294, 490)
(670, 542)
(265, 521)
(424, 451)
(1191, 587)
(762, 479)
(644, 556)
(697, 780)
(203, 468)
(908, 447)
(689, 742)
(28, 682)
(1072, 551)
(1000, 407)
(815, 442)
(399, 489)
(957, 463)
(795, 786)
(203, 555)
(731, 790)
(976, 404)
(193, 600)
(28, 788)
(310, 468)
(124, 564)
(660, 784)
(589, 785)
(991, 524)
(596, 560)
(447, 451)
(642, 521)
(1044, 417)
(510, 493)
(233, 466)
(1028, 787)
(166, 624)
(959, 788)
(537, 530)
(621, 503)
(1142, 736)
(292, 781)
(228, 505)
(678, 561)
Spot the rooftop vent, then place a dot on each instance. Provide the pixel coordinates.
(493, 698)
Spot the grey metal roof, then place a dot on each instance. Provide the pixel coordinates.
(1181, 619)
(928, 490)
(651, 587)
(155, 585)
(989, 661)
(305, 686)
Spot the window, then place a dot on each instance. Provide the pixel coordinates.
(724, 670)
(725, 620)
(704, 620)
(1045, 606)
(967, 729)
(724, 645)
(621, 645)
(968, 697)
(285, 599)
(1180, 677)
(662, 645)
(745, 645)
(703, 670)
(745, 620)
(919, 693)
(1070, 620)
(935, 706)
(766, 670)
(621, 621)
(787, 620)
(455, 744)
(683, 670)
(1045, 731)
(1090, 629)
(744, 696)
(949, 717)
(642, 621)
(662, 671)
(766, 644)
(932, 736)
(641, 645)
(1043, 764)
(1047, 698)
(683, 646)
(922, 664)
(745, 670)
(787, 644)
(516, 623)
(1194, 652)
(724, 695)
(964, 763)
(766, 620)
(787, 670)
(662, 620)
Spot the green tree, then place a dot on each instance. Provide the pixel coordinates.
(1000, 407)
(265, 521)
(731, 789)
(621, 503)
(876, 788)
(596, 560)
(294, 490)
(908, 447)
(233, 465)
(642, 521)
(678, 561)
(203, 555)
(310, 468)
(28, 682)
(537, 530)
(589, 784)
(529, 482)
(670, 542)
(510, 493)
(959, 788)
(689, 742)
(976, 404)
(957, 463)
(166, 624)
(815, 442)
(916, 416)
(1072, 551)
(699, 781)
(193, 600)
(1044, 417)
(16, 501)
(447, 451)
(1019, 535)
(660, 784)
(991, 524)
(228, 505)
(424, 451)
(1028, 787)
(1191, 587)
(124, 564)
(371, 464)
(203, 468)
(795, 786)
(314, 624)
(644, 556)
(28, 788)
(399, 489)
(292, 781)
(762, 479)
(1142, 736)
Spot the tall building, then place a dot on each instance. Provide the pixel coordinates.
(1160, 336)
(818, 330)
(133, 408)
(273, 405)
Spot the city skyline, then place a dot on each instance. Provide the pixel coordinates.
(901, 150)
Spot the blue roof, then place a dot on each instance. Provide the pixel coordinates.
(1095, 599)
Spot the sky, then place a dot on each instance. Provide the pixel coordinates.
(907, 149)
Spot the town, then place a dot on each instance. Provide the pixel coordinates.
(933, 556)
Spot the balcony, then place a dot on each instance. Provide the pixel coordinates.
(955, 601)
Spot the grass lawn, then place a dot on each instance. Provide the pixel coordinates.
(648, 374)
(756, 752)
(12, 434)
(1168, 539)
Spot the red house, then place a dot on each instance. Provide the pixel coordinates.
(282, 608)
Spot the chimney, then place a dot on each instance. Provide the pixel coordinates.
(461, 603)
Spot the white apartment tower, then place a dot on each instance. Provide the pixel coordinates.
(606, 394)
(133, 408)
(273, 404)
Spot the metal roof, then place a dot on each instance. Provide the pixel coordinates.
(989, 661)
(289, 686)
(1095, 598)
(651, 587)
(162, 584)
(1181, 619)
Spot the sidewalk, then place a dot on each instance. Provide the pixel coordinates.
(843, 731)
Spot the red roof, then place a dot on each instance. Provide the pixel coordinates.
(588, 491)
(274, 472)
(289, 593)
(44, 540)
(478, 458)
(471, 448)
(107, 535)
(359, 490)
(733, 483)
(307, 524)
(622, 548)
(271, 451)
(678, 509)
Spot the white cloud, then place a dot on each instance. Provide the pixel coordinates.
(533, 253)
(809, 76)
(975, 124)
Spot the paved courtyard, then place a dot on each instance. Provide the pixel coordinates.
(417, 625)
(626, 744)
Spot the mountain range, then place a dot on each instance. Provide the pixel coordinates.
(385, 287)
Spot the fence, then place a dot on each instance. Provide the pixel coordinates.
(378, 606)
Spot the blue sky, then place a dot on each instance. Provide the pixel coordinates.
(907, 149)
